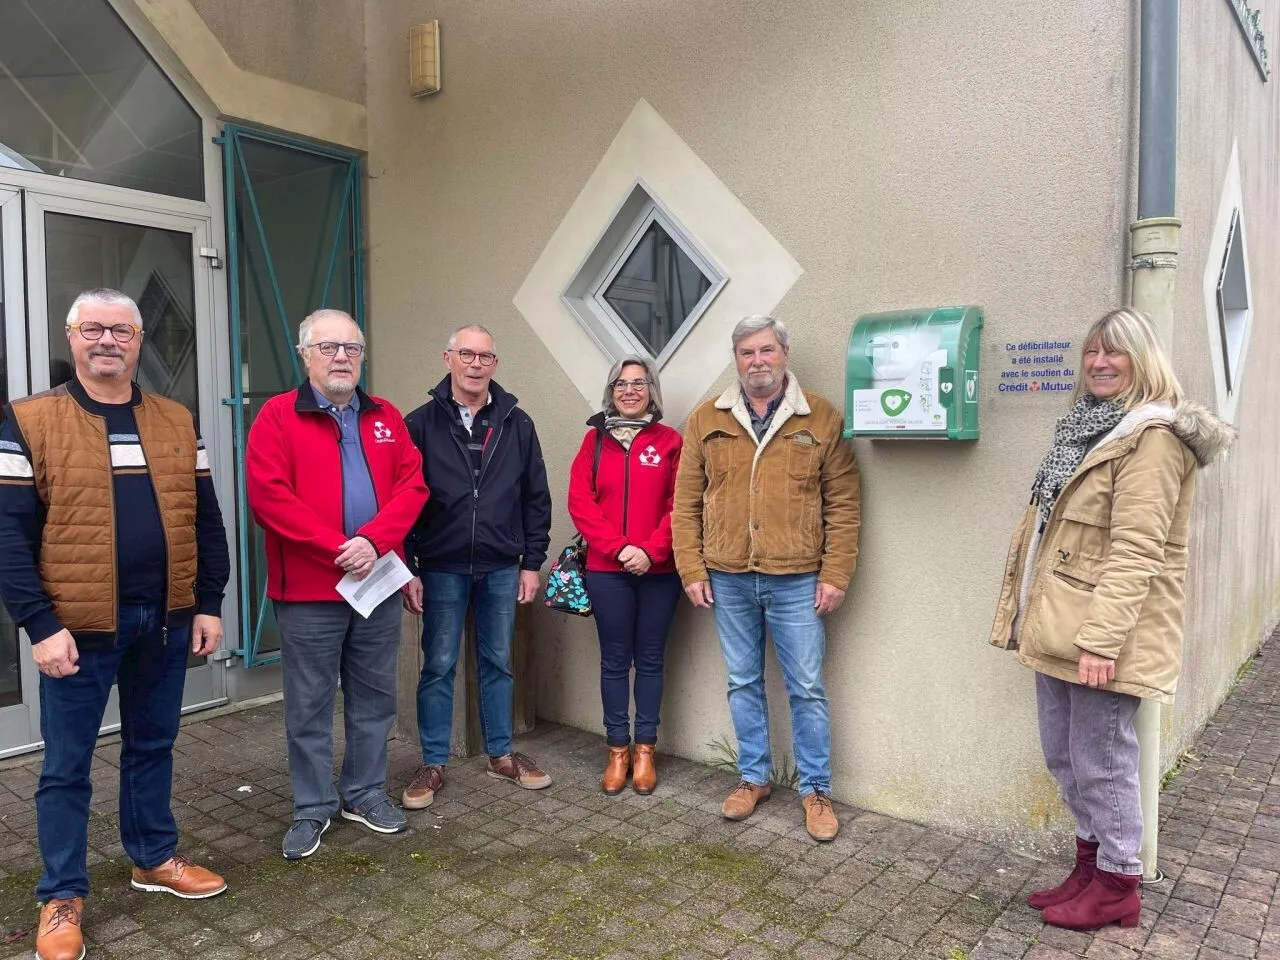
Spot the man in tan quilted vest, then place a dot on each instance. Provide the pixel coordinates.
(113, 558)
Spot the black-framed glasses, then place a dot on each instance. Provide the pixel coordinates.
(329, 348)
(621, 386)
(121, 332)
(485, 358)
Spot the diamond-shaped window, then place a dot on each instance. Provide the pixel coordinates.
(1228, 297)
(1233, 301)
(645, 283)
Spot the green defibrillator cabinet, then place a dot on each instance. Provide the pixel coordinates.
(914, 374)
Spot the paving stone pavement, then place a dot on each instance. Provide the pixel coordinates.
(492, 871)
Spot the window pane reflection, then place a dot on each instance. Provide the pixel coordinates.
(656, 289)
(151, 265)
(80, 97)
(10, 675)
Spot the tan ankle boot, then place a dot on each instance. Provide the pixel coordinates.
(615, 772)
(644, 775)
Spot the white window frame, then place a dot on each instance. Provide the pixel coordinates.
(1234, 301)
(1228, 320)
(584, 295)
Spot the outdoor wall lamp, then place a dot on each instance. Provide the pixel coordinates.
(424, 59)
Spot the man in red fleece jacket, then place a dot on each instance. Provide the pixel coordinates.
(335, 482)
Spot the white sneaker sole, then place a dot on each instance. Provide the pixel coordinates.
(349, 815)
(161, 888)
(314, 847)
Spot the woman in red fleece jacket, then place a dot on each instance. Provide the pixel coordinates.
(620, 491)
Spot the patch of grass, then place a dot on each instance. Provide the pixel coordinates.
(957, 954)
(724, 756)
(1243, 671)
(1183, 759)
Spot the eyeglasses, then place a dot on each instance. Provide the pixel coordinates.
(485, 359)
(122, 332)
(622, 386)
(329, 348)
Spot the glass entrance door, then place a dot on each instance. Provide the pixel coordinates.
(60, 246)
(19, 716)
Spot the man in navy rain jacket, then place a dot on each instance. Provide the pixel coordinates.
(479, 543)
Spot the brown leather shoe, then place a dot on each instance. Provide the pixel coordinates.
(644, 774)
(741, 803)
(615, 771)
(421, 791)
(819, 816)
(520, 770)
(181, 877)
(59, 937)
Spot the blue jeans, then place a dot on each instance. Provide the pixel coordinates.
(633, 615)
(322, 642)
(744, 604)
(445, 599)
(150, 672)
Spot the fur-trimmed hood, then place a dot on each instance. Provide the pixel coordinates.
(1205, 435)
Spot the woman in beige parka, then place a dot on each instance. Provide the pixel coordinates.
(1092, 597)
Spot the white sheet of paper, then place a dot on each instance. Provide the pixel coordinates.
(388, 575)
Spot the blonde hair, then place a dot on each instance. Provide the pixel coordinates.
(1130, 332)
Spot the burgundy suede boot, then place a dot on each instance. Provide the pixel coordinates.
(1109, 898)
(1077, 879)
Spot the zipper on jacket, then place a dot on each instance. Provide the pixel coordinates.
(626, 485)
(1074, 581)
(476, 481)
(115, 559)
(475, 497)
(342, 476)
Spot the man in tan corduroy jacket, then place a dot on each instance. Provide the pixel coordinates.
(765, 525)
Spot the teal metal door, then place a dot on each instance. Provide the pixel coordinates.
(293, 246)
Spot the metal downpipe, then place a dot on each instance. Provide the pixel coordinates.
(1153, 264)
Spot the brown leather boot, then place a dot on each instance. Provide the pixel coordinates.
(644, 773)
(741, 803)
(59, 937)
(615, 771)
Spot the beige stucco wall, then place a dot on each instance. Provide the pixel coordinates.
(1233, 590)
(978, 153)
(303, 60)
(317, 44)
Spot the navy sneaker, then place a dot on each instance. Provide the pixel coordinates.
(378, 814)
(303, 838)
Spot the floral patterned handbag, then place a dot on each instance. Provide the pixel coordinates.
(566, 588)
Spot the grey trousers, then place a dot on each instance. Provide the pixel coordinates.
(1091, 748)
(320, 642)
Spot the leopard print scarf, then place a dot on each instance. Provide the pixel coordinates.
(1087, 421)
